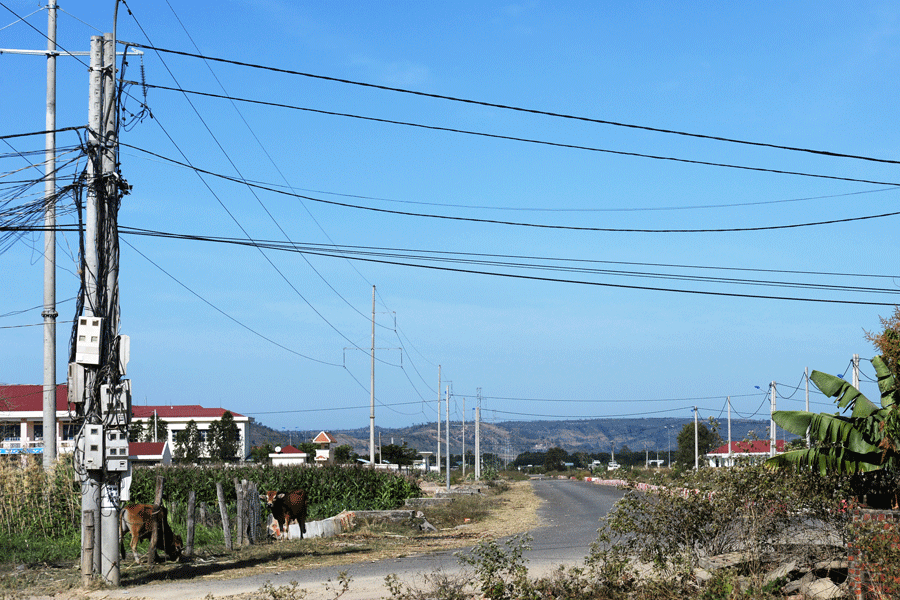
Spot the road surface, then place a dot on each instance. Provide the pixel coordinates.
(570, 513)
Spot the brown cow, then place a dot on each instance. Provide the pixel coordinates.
(138, 520)
(285, 507)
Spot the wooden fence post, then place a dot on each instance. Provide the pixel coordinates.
(87, 545)
(226, 525)
(238, 514)
(253, 512)
(156, 520)
(190, 523)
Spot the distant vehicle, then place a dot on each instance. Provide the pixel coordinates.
(612, 466)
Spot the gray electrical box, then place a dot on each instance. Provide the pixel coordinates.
(92, 446)
(75, 383)
(87, 340)
(116, 450)
(115, 404)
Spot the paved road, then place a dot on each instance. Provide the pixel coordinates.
(570, 513)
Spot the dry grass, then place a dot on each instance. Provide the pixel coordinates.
(500, 515)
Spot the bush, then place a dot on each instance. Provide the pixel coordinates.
(714, 511)
(329, 489)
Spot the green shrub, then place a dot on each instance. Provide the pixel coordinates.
(329, 489)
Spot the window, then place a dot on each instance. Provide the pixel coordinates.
(10, 431)
(68, 431)
(38, 431)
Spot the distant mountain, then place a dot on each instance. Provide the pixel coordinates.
(511, 438)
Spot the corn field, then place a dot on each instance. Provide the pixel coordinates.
(40, 512)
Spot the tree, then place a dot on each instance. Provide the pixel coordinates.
(398, 455)
(555, 459)
(888, 342)
(866, 440)
(188, 443)
(684, 456)
(344, 454)
(142, 431)
(223, 441)
(260, 454)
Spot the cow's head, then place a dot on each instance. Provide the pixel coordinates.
(173, 551)
(270, 497)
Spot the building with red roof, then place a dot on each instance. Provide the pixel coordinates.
(22, 415)
(744, 452)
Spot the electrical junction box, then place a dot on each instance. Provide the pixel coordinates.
(115, 404)
(87, 340)
(75, 384)
(92, 444)
(116, 450)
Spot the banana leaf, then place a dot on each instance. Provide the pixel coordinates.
(847, 432)
(887, 384)
(828, 460)
(846, 394)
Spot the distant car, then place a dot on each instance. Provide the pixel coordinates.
(612, 466)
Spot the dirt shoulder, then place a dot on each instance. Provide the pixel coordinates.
(512, 511)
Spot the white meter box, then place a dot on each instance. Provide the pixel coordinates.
(87, 341)
(116, 450)
(92, 440)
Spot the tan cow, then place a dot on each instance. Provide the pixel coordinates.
(138, 520)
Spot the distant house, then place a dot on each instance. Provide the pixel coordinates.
(746, 452)
(289, 455)
(149, 453)
(22, 421)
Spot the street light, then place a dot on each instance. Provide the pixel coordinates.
(669, 442)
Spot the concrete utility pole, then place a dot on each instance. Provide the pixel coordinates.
(464, 438)
(806, 376)
(372, 391)
(696, 441)
(49, 313)
(856, 371)
(448, 438)
(439, 423)
(730, 461)
(772, 436)
(478, 436)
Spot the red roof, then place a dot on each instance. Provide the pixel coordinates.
(291, 450)
(186, 411)
(30, 398)
(324, 438)
(753, 447)
(146, 448)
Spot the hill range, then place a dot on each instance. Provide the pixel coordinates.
(510, 438)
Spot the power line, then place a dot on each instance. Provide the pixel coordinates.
(31, 133)
(344, 255)
(518, 108)
(521, 139)
(516, 223)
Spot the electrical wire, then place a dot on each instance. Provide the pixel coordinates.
(522, 109)
(529, 140)
(516, 223)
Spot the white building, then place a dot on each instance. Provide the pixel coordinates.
(22, 420)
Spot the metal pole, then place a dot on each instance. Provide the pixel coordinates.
(478, 437)
(696, 441)
(448, 437)
(772, 438)
(806, 374)
(464, 439)
(49, 313)
(372, 391)
(439, 424)
(730, 459)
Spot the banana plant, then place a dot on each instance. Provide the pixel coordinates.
(868, 439)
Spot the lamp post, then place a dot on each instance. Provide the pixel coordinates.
(669, 443)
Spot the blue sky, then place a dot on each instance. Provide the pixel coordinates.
(804, 75)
